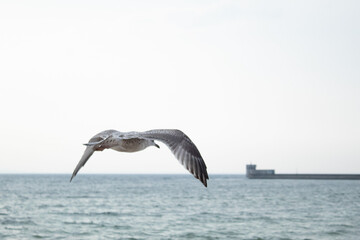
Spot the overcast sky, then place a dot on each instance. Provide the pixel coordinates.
(276, 83)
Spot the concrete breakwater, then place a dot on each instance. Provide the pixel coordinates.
(253, 173)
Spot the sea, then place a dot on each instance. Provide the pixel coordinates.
(176, 207)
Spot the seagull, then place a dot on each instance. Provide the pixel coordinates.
(180, 145)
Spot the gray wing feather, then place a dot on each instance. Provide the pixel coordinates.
(87, 154)
(95, 140)
(183, 148)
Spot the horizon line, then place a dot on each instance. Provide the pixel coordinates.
(115, 173)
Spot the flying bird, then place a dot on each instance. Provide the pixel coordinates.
(180, 145)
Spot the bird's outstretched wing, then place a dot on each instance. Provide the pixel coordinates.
(183, 148)
(87, 154)
(96, 140)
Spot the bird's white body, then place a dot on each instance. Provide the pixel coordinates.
(118, 141)
(132, 145)
(180, 144)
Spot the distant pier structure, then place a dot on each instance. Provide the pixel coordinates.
(253, 173)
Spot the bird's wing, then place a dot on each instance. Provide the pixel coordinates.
(87, 154)
(183, 148)
(91, 145)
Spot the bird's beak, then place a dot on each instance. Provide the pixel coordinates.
(157, 145)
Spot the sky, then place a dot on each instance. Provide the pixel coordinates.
(273, 83)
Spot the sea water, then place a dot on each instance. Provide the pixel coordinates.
(176, 207)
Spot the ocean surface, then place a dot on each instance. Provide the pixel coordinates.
(176, 207)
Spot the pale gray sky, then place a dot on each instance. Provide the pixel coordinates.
(276, 83)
